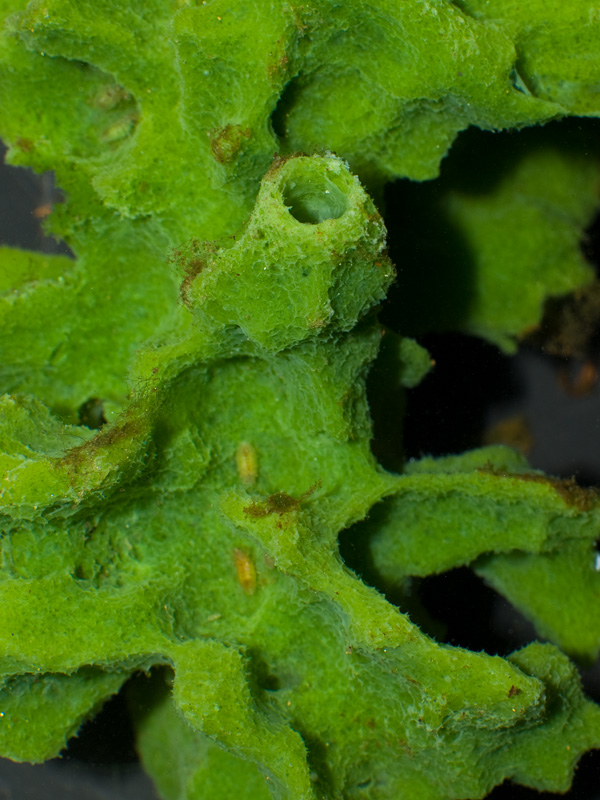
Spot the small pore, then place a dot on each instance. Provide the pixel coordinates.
(285, 105)
(314, 200)
(91, 413)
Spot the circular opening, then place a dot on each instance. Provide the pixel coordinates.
(314, 200)
(91, 413)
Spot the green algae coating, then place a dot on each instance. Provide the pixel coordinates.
(143, 567)
(222, 301)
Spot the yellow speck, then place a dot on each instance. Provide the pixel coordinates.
(247, 463)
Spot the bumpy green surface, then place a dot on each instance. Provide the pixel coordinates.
(541, 532)
(221, 305)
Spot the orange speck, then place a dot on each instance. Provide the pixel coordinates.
(246, 571)
(42, 211)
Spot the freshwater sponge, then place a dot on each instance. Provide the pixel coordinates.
(198, 532)
(184, 425)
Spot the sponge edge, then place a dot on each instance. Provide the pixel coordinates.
(311, 257)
